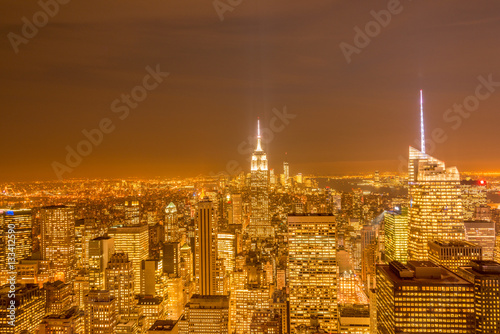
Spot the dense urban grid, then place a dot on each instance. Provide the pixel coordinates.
(265, 251)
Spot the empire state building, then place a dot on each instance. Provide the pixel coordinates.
(260, 224)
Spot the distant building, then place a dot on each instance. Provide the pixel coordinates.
(134, 241)
(171, 223)
(207, 256)
(58, 239)
(260, 222)
(100, 251)
(421, 297)
(396, 235)
(132, 212)
(453, 253)
(482, 233)
(120, 282)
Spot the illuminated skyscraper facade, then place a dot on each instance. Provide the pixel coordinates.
(482, 233)
(20, 222)
(260, 223)
(29, 308)
(206, 315)
(421, 297)
(120, 282)
(58, 239)
(100, 313)
(171, 223)
(396, 235)
(485, 276)
(134, 241)
(435, 210)
(100, 251)
(207, 284)
(313, 271)
(132, 212)
(454, 253)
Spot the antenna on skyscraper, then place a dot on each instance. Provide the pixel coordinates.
(422, 133)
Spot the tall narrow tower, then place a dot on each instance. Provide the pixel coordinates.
(260, 225)
(205, 248)
(435, 200)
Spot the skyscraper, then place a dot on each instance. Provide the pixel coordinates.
(132, 240)
(100, 251)
(120, 282)
(485, 276)
(421, 297)
(206, 314)
(58, 239)
(29, 308)
(20, 222)
(171, 223)
(100, 313)
(260, 224)
(313, 271)
(396, 235)
(482, 233)
(132, 212)
(206, 248)
(435, 201)
(454, 253)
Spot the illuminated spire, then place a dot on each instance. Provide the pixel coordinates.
(422, 133)
(259, 147)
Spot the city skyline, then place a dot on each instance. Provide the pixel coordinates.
(355, 116)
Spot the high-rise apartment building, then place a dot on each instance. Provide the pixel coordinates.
(58, 239)
(260, 222)
(485, 277)
(132, 240)
(313, 271)
(421, 297)
(396, 235)
(453, 253)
